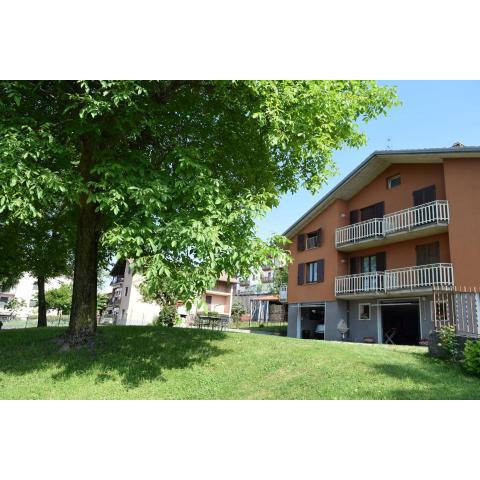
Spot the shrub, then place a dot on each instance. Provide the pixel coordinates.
(448, 342)
(471, 355)
(167, 317)
(237, 311)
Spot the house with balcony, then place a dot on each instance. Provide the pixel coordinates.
(126, 305)
(369, 255)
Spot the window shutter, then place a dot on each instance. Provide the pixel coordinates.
(379, 209)
(354, 216)
(424, 195)
(434, 252)
(301, 274)
(421, 254)
(354, 265)
(381, 261)
(301, 242)
(320, 237)
(320, 270)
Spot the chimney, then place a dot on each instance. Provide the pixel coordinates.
(457, 145)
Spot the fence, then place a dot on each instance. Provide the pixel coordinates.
(30, 322)
(457, 307)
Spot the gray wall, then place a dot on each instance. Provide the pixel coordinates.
(292, 319)
(334, 312)
(362, 328)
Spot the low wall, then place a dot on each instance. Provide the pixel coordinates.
(436, 350)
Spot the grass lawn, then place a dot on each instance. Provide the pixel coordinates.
(175, 363)
(276, 327)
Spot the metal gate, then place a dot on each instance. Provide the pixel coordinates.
(460, 308)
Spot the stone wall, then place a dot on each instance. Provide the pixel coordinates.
(436, 350)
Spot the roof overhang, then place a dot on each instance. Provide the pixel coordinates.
(370, 168)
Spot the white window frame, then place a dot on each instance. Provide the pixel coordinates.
(315, 241)
(360, 305)
(314, 266)
(393, 177)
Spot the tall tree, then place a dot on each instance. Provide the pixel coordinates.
(172, 173)
(41, 247)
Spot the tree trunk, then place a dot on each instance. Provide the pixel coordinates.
(83, 318)
(42, 304)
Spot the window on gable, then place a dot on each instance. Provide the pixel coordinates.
(313, 239)
(394, 181)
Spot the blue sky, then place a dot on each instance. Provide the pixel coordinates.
(434, 114)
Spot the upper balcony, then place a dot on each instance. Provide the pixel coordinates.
(420, 221)
(397, 281)
(117, 279)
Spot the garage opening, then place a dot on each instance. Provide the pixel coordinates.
(401, 323)
(313, 322)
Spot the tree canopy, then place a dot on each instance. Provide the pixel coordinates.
(172, 173)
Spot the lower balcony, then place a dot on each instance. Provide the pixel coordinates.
(395, 281)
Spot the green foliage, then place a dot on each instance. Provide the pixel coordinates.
(15, 304)
(168, 317)
(237, 311)
(60, 298)
(102, 300)
(178, 171)
(448, 342)
(471, 355)
(280, 277)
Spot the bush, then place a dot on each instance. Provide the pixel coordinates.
(471, 355)
(167, 317)
(237, 311)
(448, 342)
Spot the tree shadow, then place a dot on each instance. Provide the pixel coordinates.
(134, 354)
(431, 378)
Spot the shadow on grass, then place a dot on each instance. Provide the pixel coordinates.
(135, 354)
(431, 378)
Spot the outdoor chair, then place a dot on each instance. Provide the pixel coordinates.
(223, 322)
(389, 336)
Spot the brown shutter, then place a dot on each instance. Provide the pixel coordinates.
(422, 254)
(301, 242)
(320, 237)
(381, 261)
(424, 195)
(354, 265)
(379, 209)
(354, 216)
(320, 270)
(301, 274)
(429, 253)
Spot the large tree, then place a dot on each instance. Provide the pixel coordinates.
(171, 173)
(41, 247)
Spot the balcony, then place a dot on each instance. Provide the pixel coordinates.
(395, 281)
(415, 222)
(116, 280)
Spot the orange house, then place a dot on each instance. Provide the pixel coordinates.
(368, 255)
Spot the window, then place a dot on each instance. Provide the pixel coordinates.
(208, 299)
(313, 239)
(312, 272)
(424, 195)
(394, 181)
(32, 302)
(35, 286)
(428, 254)
(364, 311)
(126, 291)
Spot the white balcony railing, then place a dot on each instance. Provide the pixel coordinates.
(409, 278)
(414, 217)
(359, 231)
(436, 212)
(436, 274)
(360, 283)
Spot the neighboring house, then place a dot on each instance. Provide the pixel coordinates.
(256, 294)
(370, 252)
(127, 306)
(27, 290)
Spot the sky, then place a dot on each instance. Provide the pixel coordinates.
(433, 114)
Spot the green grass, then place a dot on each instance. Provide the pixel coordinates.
(175, 363)
(265, 327)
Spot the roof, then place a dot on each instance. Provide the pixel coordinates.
(272, 298)
(370, 168)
